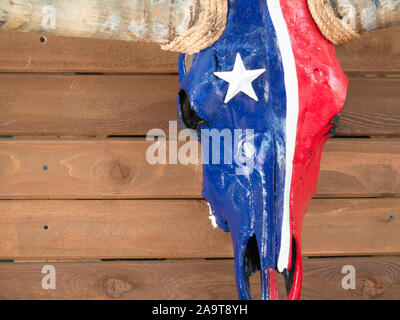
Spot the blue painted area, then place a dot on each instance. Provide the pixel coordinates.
(251, 204)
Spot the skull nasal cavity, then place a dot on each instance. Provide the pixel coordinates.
(251, 258)
(189, 116)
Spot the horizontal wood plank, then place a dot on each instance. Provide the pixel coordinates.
(360, 167)
(372, 108)
(26, 53)
(125, 229)
(376, 52)
(376, 278)
(97, 168)
(109, 230)
(352, 227)
(88, 105)
(117, 168)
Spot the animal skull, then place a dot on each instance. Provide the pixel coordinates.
(264, 70)
(275, 78)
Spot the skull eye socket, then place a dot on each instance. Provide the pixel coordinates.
(251, 259)
(188, 115)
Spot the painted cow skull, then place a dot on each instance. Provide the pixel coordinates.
(275, 79)
(263, 73)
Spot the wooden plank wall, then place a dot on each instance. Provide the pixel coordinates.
(76, 191)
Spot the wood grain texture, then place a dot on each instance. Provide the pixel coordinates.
(352, 227)
(26, 53)
(117, 168)
(90, 105)
(97, 168)
(375, 52)
(109, 230)
(360, 167)
(126, 229)
(372, 108)
(86, 105)
(376, 278)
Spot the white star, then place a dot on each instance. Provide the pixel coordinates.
(240, 80)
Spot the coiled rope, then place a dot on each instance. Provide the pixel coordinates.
(205, 32)
(335, 29)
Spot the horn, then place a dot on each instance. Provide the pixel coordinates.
(343, 20)
(184, 26)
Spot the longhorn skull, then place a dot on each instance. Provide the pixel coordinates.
(263, 68)
(271, 72)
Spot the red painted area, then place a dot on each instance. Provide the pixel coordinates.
(273, 286)
(322, 94)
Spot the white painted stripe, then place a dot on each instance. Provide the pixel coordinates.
(212, 217)
(292, 113)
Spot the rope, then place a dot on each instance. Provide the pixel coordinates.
(212, 21)
(205, 32)
(331, 26)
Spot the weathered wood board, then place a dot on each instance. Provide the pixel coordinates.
(377, 52)
(372, 108)
(117, 168)
(113, 229)
(376, 278)
(104, 105)
(27, 53)
(86, 105)
(373, 53)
